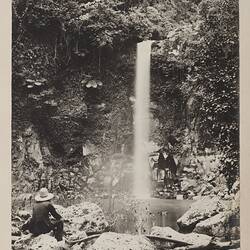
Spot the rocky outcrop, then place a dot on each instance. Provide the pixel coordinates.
(202, 209)
(27, 145)
(215, 218)
(224, 224)
(35, 165)
(200, 177)
(214, 226)
(27, 160)
(85, 217)
(114, 241)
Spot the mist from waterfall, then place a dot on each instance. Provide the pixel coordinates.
(142, 187)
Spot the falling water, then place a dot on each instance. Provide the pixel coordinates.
(141, 121)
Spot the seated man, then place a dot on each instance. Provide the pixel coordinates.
(40, 222)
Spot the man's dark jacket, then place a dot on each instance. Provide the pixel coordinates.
(40, 222)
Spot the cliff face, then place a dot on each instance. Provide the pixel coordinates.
(65, 128)
(73, 86)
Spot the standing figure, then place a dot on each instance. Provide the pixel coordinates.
(40, 222)
(161, 166)
(171, 165)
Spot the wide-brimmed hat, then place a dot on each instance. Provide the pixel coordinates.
(44, 195)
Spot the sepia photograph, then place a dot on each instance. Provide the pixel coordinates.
(125, 125)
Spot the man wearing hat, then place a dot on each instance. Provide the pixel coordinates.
(40, 222)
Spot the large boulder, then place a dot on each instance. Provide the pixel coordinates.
(114, 241)
(214, 226)
(202, 209)
(191, 238)
(85, 217)
(41, 242)
(225, 224)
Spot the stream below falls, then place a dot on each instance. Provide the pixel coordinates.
(157, 212)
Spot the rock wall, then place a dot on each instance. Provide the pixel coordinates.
(200, 176)
(34, 167)
(27, 162)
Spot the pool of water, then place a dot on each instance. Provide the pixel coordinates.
(167, 212)
(150, 212)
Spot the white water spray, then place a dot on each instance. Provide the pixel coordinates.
(141, 121)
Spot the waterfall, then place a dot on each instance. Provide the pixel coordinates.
(141, 121)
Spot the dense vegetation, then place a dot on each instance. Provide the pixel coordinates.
(73, 76)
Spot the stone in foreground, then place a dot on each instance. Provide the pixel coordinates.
(114, 241)
(46, 242)
(87, 217)
(202, 209)
(191, 238)
(224, 224)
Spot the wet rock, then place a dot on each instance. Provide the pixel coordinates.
(202, 209)
(191, 238)
(114, 241)
(86, 216)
